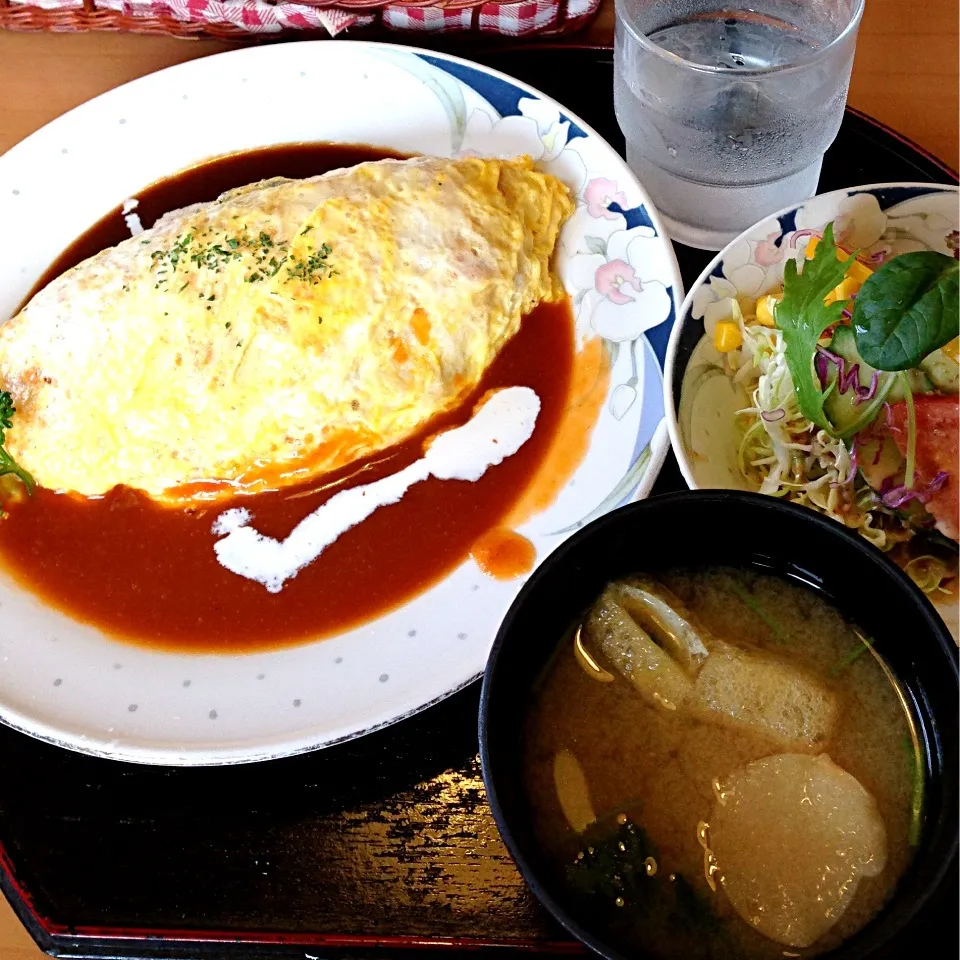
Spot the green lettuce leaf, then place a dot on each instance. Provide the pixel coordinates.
(802, 317)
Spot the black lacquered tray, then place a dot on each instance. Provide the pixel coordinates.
(380, 847)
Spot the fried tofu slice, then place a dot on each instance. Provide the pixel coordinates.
(753, 691)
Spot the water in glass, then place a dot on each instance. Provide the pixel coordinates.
(727, 113)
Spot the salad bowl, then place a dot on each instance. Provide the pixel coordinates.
(737, 420)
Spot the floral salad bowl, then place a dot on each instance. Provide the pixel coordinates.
(880, 221)
(70, 684)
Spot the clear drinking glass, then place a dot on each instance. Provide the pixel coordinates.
(727, 109)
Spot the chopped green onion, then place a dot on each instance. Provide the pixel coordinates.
(752, 603)
(915, 759)
(852, 657)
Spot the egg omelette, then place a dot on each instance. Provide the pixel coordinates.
(282, 331)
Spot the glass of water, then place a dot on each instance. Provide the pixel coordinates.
(728, 107)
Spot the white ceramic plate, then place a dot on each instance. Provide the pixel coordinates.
(891, 218)
(69, 684)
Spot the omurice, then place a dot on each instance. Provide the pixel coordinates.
(142, 567)
(284, 330)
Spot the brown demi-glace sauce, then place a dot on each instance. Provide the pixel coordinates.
(149, 573)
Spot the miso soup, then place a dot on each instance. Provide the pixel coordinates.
(721, 767)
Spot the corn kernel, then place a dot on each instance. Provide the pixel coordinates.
(860, 272)
(952, 349)
(856, 271)
(765, 308)
(727, 336)
(748, 307)
(843, 291)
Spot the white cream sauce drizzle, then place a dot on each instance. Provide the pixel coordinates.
(131, 219)
(497, 430)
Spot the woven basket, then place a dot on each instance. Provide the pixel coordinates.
(270, 19)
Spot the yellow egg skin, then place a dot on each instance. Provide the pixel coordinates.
(284, 330)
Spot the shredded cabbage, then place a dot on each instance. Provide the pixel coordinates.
(783, 454)
(929, 573)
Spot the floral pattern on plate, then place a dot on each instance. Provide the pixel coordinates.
(916, 219)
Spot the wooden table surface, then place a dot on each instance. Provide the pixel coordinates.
(905, 74)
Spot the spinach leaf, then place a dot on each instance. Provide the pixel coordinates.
(613, 863)
(620, 882)
(907, 309)
(612, 872)
(802, 317)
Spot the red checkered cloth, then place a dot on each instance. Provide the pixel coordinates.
(335, 16)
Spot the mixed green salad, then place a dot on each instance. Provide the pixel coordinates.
(853, 380)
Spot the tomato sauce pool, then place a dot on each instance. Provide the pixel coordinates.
(149, 574)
